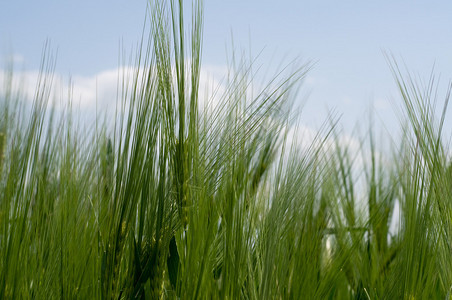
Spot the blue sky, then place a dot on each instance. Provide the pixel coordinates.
(345, 39)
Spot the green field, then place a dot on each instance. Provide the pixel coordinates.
(174, 199)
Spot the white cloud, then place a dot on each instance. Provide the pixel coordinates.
(311, 81)
(347, 100)
(382, 104)
(85, 92)
(15, 59)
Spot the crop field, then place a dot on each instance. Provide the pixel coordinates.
(179, 198)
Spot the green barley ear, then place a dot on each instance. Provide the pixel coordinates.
(158, 271)
(263, 163)
(118, 250)
(2, 150)
(181, 183)
(107, 160)
(157, 283)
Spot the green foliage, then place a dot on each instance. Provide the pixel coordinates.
(183, 203)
